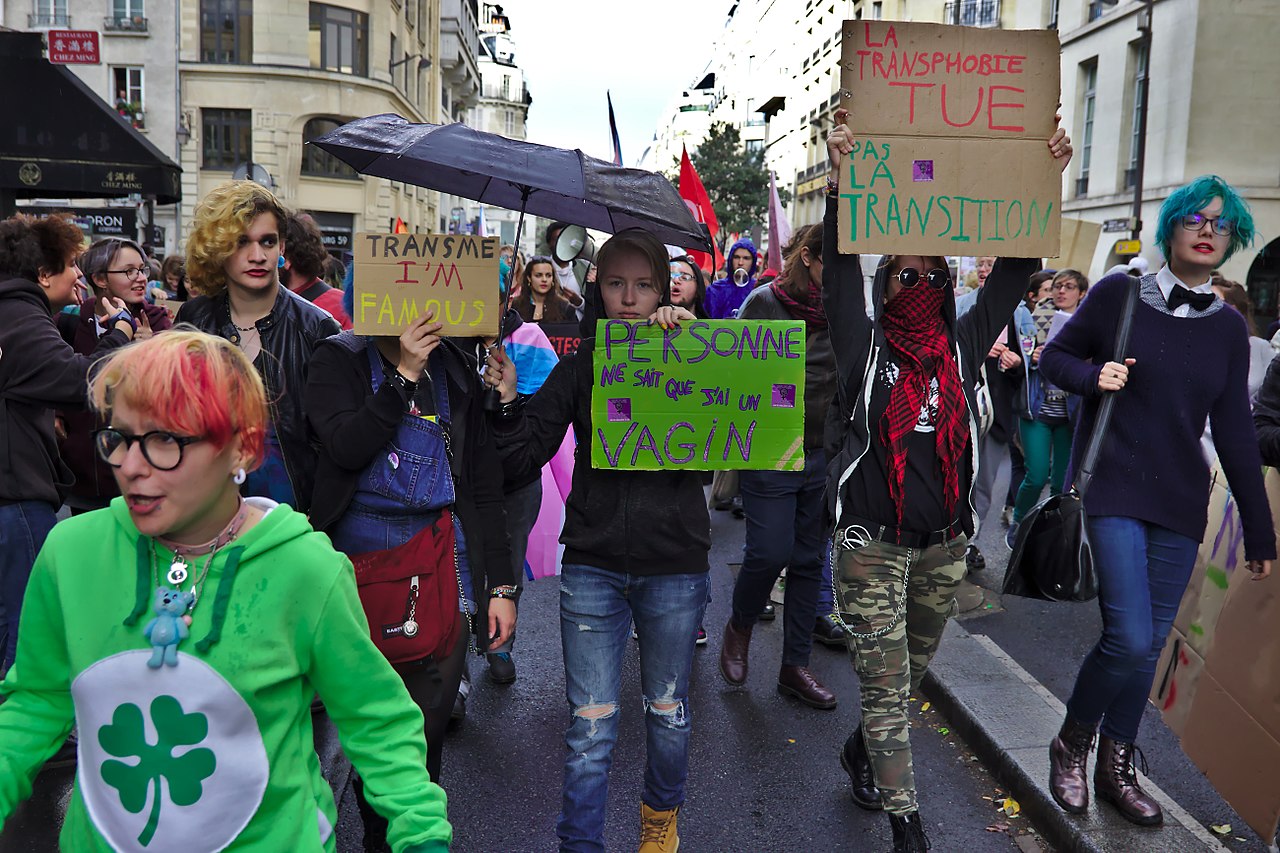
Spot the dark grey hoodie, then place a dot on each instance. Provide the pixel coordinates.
(39, 372)
(853, 313)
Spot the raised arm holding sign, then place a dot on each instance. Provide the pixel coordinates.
(899, 488)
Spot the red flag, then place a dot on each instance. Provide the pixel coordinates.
(699, 204)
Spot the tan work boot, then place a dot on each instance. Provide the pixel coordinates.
(658, 830)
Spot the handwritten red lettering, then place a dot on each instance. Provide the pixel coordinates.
(992, 106)
(404, 275)
(977, 109)
(911, 108)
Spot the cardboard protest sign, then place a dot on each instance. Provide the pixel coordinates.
(706, 395)
(1079, 242)
(949, 155)
(398, 277)
(1216, 682)
(564, 337)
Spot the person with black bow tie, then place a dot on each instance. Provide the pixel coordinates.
(1187, 362)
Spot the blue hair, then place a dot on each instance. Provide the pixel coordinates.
(1194, 197)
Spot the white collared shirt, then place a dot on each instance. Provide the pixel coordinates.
(1167, 281)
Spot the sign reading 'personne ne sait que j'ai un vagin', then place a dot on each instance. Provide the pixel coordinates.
(949, 129)
(706, 395)
(399, 277)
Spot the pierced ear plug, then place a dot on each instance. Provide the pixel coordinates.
(239, 477)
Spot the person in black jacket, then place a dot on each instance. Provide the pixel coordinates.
(233, 256)
(900, 487)
(39, 372)
(403, 440)
(636, 546)
(1266, 416)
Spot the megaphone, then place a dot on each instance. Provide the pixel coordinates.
(740, 277)
(573, 243)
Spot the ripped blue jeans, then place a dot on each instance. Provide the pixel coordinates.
(597, 608)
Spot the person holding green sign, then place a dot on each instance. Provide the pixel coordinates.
(636, 546)
(899, 489)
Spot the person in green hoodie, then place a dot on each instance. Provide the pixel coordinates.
(185, 631)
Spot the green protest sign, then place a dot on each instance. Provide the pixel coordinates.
(706, 395)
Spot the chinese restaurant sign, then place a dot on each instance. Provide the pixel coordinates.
(398, 277)
(949, 128)
(706, 395)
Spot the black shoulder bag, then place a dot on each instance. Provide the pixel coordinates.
(1052, 559)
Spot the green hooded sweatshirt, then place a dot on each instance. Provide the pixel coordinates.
(215, 753)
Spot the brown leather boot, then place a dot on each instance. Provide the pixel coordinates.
(1068, 759)
(733, 653)
(1115, 780)
(799, 682)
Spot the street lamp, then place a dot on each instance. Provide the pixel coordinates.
(423, 62)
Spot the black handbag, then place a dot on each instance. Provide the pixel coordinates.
(1051, 558)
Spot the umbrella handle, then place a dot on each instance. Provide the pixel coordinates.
(492, 400)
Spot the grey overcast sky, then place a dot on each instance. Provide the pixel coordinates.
(572, 51)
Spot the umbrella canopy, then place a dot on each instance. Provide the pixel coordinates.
(539, 179)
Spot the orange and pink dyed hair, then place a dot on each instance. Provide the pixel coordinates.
(190, 383)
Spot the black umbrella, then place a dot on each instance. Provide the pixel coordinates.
(553, 182)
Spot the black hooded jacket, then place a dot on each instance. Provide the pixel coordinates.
(39, 372)
(862, 352)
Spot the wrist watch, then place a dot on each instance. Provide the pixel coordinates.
(122, 315)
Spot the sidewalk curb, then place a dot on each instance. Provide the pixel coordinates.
(1008, 718)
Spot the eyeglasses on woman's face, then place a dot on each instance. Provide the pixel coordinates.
(161, 449)
(1066, 285)
(132, 273)
(1221, 227)
(937, 278)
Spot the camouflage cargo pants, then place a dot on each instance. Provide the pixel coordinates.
(900, 632)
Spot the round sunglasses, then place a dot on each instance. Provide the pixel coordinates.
(937, 278)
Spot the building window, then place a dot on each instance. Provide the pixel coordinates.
(1139, 77)
(1053, 14)
(226, 31)
(1089, 78)
(754, 145)
(49, 13)
(129, 94)
(877, 10)
(227, 137)
(339, 39)
(318, 162)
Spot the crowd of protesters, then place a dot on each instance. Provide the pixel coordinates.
(229, 465)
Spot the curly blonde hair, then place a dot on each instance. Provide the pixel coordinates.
(221, 219)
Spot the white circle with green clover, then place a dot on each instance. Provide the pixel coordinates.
(169, 758)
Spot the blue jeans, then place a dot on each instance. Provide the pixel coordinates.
(784, 530)
(1143, 570)
(23, 528)
(597, 607)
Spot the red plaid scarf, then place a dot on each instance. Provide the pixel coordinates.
(912, 323)
(811, 310)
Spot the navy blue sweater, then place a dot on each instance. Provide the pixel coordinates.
(1187, 369)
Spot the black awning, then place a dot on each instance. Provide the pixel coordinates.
(60, 140)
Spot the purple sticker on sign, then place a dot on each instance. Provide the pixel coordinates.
(784, 396)
(620, 410)
(921, 170)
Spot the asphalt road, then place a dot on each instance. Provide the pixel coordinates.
(764, 771)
